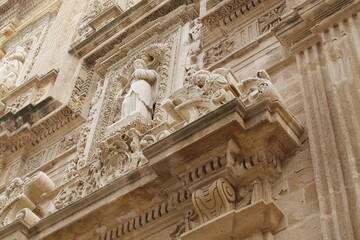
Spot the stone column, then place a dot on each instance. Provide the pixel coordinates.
(330, 73)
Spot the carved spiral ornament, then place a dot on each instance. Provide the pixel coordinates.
(213, 200)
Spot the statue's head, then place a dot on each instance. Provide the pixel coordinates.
(139, 64)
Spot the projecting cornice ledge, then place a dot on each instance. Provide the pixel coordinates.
(301, 26)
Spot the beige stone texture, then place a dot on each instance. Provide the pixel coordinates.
(179, 119)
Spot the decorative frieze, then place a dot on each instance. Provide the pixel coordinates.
(218, 52)
(151, 216)
(271, 19)
(226, 11)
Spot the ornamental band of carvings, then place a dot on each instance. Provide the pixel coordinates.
(271, 19)
(21, 196)
(155, 214)
(213, 200)
(232, 9)
(218, 52)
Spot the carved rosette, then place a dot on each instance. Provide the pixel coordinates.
(213, 200)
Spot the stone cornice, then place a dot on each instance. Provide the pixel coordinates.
(5, 5)
(122, 27)
(181, 16)
(300, 27)
(226, 11)
(29, 110)
(54, 6)
(266, 117)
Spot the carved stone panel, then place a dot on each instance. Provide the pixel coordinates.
(213, 200)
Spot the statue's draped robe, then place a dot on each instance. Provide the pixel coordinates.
(141, 95)
(10, 68)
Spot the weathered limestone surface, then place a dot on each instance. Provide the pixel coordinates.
(179, 119)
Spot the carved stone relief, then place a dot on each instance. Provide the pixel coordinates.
(192, 60)
(213, 200)
(21, 196)
(33, 162)
(218, 52)
(114, 153)
(18, 103)
(10, 68)
(189, 222)
(141, 95)
(271, 19)
(95, 9)
(254, 89)
(30, 39)
(204, 92)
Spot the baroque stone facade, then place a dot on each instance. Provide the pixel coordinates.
(179, 119)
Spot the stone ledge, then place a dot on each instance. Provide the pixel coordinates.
(238, 224)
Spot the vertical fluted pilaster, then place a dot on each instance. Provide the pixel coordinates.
(331, 83)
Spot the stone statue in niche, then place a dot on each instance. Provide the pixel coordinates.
(10, 69)
(142, 93)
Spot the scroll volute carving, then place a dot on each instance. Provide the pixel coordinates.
(21, 196)
(213, 200)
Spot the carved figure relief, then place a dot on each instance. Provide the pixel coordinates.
(10, 69)
(142, 93)
(256, 88)
(204, 92)
(21, 196)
